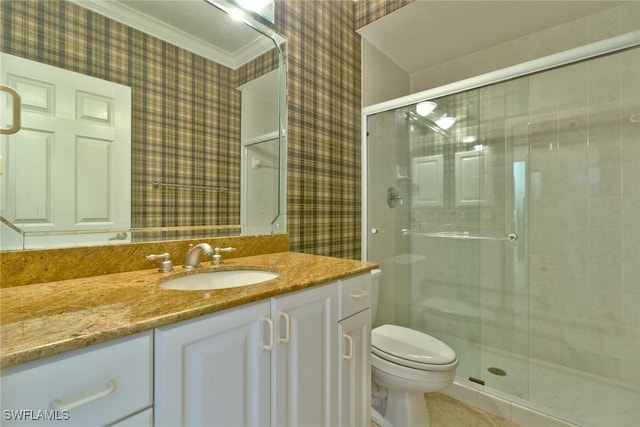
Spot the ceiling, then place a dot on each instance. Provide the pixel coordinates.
(194, 25)
(426, 33)
(198, 18)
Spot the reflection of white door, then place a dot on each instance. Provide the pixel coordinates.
(69, 167)
(428, 178)
(474, 179)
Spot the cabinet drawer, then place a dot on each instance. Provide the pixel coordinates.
(141, 419)
(89, 387)
(355, 294)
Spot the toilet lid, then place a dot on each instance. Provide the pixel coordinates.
(409, 344)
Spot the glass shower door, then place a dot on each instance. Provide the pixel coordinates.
(515, 236)
(387, 214)
(504, 287)
(442, 224)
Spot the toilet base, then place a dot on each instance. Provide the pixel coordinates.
(404, 409)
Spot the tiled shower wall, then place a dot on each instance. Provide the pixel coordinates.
(584, 223)
(584, 176)
(185, 108)
(574, 300)
(584, 291)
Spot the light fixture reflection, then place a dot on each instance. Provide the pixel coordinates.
(445, 122)
(236, 15)
(425, 108)
(469, 139)
(254, 5)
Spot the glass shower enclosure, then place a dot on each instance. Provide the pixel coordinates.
(505, 220)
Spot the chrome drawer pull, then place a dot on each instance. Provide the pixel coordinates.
(57, 403)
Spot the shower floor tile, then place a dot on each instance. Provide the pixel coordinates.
(569, 394)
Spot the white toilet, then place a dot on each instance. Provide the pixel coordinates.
(405, 364)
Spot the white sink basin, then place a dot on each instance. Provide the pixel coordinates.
(218, 280)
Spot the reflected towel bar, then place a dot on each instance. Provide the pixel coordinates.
(511, 237)
(157, 184)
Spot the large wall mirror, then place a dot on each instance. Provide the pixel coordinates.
(140, 120)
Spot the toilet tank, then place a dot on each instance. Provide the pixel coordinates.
(376, 276)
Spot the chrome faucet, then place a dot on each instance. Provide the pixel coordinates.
(192, 258)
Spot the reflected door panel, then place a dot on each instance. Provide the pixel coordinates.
(68, 168)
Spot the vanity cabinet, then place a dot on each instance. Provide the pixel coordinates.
(269, 363)
(354, 369)
(354, 393)
(304, 362)
(100, 385)
(214, 370)
(295, 360)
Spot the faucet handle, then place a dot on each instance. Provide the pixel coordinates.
(218, 250)
(165, 265)
(217, 258)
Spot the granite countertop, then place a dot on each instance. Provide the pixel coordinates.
(45, 319)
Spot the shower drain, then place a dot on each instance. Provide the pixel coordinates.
(497, 371)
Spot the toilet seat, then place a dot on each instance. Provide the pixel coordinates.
(411, 348)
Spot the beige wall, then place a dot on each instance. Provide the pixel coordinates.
(382, 79)
(600, 26)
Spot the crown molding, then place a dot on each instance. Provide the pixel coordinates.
(170, 34)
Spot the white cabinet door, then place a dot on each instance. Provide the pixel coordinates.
(354, 398)
(215, 370)
(305, 358)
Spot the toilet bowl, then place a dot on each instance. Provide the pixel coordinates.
(406, 364)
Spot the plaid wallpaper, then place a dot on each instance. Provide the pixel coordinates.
(323, 126)
(367, 11)
(185, 109)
